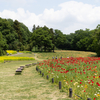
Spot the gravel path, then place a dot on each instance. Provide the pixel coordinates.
(18, 53)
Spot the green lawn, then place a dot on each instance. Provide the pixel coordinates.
(30, 85)
(27, 86)
(65, 54)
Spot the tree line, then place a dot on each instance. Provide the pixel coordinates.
(14, 35)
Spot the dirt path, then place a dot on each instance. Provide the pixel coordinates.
(46, 90)
(43, 89)
(36, 57)
(18, 53)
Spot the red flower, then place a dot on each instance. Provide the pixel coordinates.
(71, 80)
(93, 76)
(92, 82)
(89, 82)
(84, 72)
(97, 83)
(83, 69)
(87, 77)
(80, 82)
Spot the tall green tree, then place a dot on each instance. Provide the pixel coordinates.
(3, 45)
(42, 38)
(52, 38)
(78, 35)
(60, 39)
(34, 28)
(18, 30)
(96, 42)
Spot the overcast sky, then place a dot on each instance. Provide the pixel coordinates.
(65, 15)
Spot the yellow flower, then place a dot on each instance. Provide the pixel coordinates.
(86, 86)
(11, 51)
(98, 94)
(97, 77)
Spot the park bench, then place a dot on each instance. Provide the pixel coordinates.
(18, 71)
(28, 65)
(34, 64)
(22, 67)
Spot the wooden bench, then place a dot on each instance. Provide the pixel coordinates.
(18, 71)
(34, 64)
(22, 67)
(28, 65)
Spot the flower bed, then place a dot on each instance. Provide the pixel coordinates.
(12, 58)
(82, 74)
(11, 51)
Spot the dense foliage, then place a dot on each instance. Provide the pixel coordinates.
(14, 35)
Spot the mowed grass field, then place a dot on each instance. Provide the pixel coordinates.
(65, 54)
(30, 85)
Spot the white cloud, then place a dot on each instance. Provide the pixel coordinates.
(8, 14)
(71, 17)
(83, 12)
(51, 15)
(21, 15)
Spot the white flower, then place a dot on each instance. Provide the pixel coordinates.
(75, 83)
(78, 86)
(66, 82)
(57, 77)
